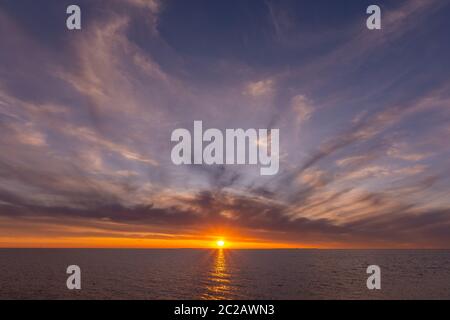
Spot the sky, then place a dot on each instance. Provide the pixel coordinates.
(86, 118)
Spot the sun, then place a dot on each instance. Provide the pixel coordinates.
(220, 243)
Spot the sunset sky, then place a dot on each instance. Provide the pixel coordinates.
(86, 118)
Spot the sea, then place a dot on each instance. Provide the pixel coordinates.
(290, 274)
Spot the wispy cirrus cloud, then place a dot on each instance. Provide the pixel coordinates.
(85, 127)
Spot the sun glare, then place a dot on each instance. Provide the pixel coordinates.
(220, 243)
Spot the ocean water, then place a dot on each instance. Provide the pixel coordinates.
(224, 274)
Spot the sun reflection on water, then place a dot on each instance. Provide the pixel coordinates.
(219, 279)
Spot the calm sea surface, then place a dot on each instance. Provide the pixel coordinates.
(224, 274)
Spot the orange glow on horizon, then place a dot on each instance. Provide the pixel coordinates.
(130, 243)
(42, 234)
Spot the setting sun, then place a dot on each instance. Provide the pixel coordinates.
(220, 243)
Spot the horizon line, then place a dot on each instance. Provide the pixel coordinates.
(215, 248)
